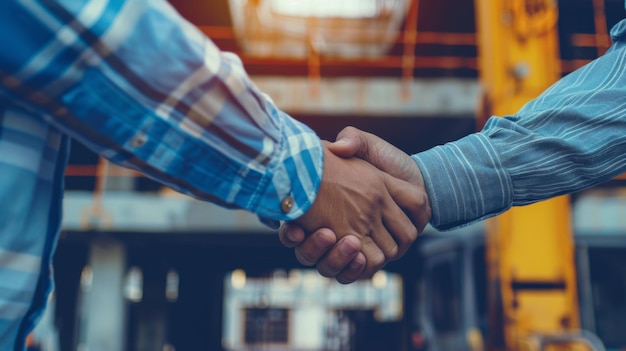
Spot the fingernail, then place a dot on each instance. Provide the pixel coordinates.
(322, 241)
(347, 249)
(291, 235)
(355, 264)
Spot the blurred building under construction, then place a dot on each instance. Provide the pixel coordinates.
(139, 267)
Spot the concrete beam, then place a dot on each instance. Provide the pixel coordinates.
(103, 308)
(151, 212)
(373, 96)
(166, 213)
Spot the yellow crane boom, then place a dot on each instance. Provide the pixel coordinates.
(530, 250)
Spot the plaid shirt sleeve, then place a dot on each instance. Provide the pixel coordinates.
(571, 137)
(144, 88)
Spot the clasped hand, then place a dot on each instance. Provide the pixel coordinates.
(370, 208)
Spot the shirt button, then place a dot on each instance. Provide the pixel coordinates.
(287, 204)
(139, 140)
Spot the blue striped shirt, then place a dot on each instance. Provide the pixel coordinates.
(144, 88)
(571, 137)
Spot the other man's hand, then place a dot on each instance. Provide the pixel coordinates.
(358, 200)
(339, 254)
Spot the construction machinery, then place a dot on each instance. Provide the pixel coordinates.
(512, 283)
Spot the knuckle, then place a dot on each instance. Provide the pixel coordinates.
(368, 273)
(413, 234)
(304, 258)
(285, 241)
(349, 129)
(343, 280)
(408, 238)
(392, 251)
(387, 250)
(376, 261)
(326, 271)
(347, 276)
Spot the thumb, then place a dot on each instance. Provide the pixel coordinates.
(381, 154)
(349, 143)
(355, 142)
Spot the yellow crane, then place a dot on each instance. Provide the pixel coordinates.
(533, 303)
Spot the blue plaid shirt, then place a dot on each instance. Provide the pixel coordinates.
(144, 88)
(571, 137)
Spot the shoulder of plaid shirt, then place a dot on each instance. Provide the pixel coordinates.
(144, 88)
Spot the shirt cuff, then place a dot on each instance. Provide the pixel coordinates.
(465, 182)
(294, 175)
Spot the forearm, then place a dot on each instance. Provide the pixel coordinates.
(571, 137)
(146, 89)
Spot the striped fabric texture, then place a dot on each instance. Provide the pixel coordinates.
(144, 88)
(571, 137)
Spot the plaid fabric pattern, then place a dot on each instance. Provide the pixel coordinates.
(32, 160)
(144, 88)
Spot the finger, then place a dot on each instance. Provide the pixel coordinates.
(315, 246)
(347, 144)
(373, 255)
(353, 271)
(291, 234)
(395, 219)
(383, 238)
(413, 201)
(375, 150)
(355, 142)
(340, 256)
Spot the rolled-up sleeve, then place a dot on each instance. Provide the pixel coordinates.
(571, 137)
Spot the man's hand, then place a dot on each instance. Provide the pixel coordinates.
(341, 256)
(357, 200)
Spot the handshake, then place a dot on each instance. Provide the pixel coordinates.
(370, 207)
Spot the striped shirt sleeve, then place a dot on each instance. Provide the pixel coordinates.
(146, 89)
(571, 137)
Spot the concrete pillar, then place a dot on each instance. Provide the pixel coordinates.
(102, 321)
